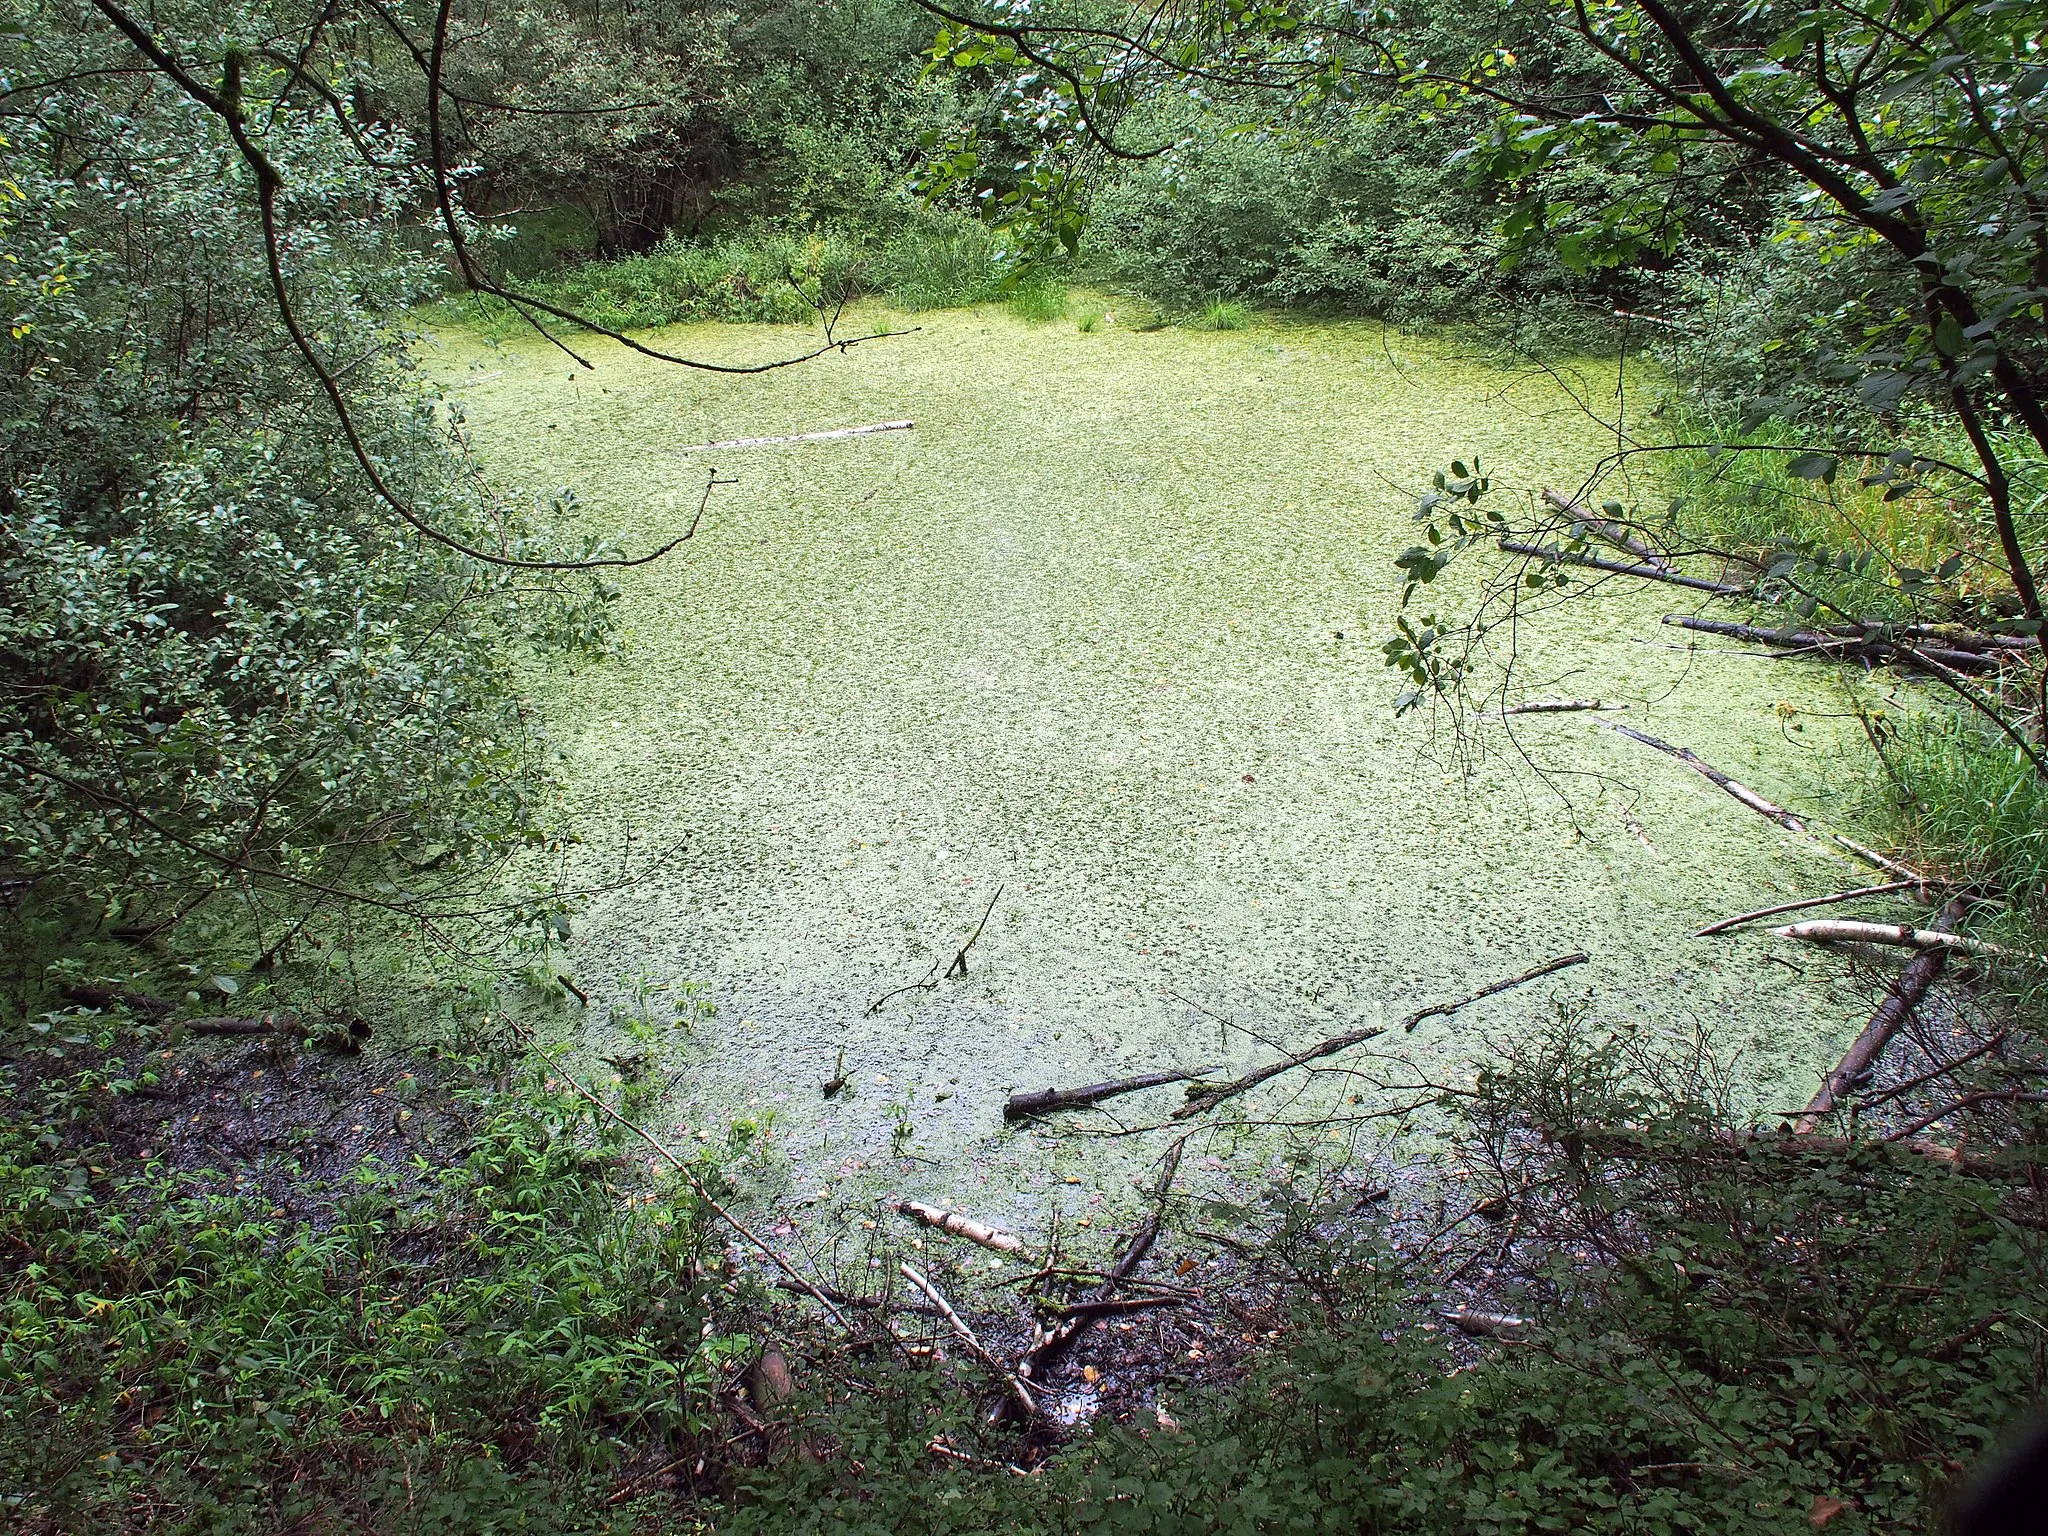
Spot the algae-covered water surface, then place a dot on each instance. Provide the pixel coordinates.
(1101, 633)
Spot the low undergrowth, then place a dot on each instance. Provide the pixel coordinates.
(1716, 1336)
(473, 1346)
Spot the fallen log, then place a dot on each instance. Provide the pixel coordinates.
(1713, 775)
(960, 1226)
(1825, 930)
(798, 437)
(1203, 1096)
(1647, 572)
(1559, 707)
(1824, 643)
(1045, 1101)
(1044, 1354)
(1903, 996)
(1019, 1393)
(1811, 901)
(1614, 533)
(89, 996)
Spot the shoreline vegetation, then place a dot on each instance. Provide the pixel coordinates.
(333, 1198)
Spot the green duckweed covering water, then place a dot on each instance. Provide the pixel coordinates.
(1103, 630)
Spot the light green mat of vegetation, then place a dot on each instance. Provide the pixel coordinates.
(1078, 635)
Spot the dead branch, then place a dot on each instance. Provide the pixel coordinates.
(1490, 1325)
(931, 978)
(961, 1226)
(1044, 1101)
(1713, 775)
(1878, 860)
(1648, 572)
(689, 1176)
(1811, 901)
(965, 1334)
(1043, 1355)
(1203, 1097)
(1861, 645)
(1613, 533)
(1901, 999)
(1939, 1069)
(1970, 1101)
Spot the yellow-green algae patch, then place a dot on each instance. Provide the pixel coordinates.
(1103, 630)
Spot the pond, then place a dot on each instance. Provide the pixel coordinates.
(1097, 641)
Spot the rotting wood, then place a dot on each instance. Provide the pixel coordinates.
(1715, 776)
(1020, 1394)
(1901, 998)
(1832, 899)
(1646, 572)
(798, 437)
(1826, 930)
(1613, 533)
(1560, 706)
(1204, 1096)
(1860, 645)
(1045, 1101)
(961, 1226)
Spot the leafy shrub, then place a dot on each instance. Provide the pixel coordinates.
(232, 665)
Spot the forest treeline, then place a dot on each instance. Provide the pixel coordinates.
(262, 608)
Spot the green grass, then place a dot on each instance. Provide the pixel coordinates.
(1222, 315)
(1039, 300)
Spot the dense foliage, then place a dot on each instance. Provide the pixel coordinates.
(231, 670)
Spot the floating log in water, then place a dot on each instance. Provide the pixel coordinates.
(1715, 776)
(1647, 572)
(1045, 1101)
(799, 437)
(1825, 643)
(1559, 706)
(1614, 533)
(1906, 991)
(1826, 930)
(1830, 900)
(960, 1226)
